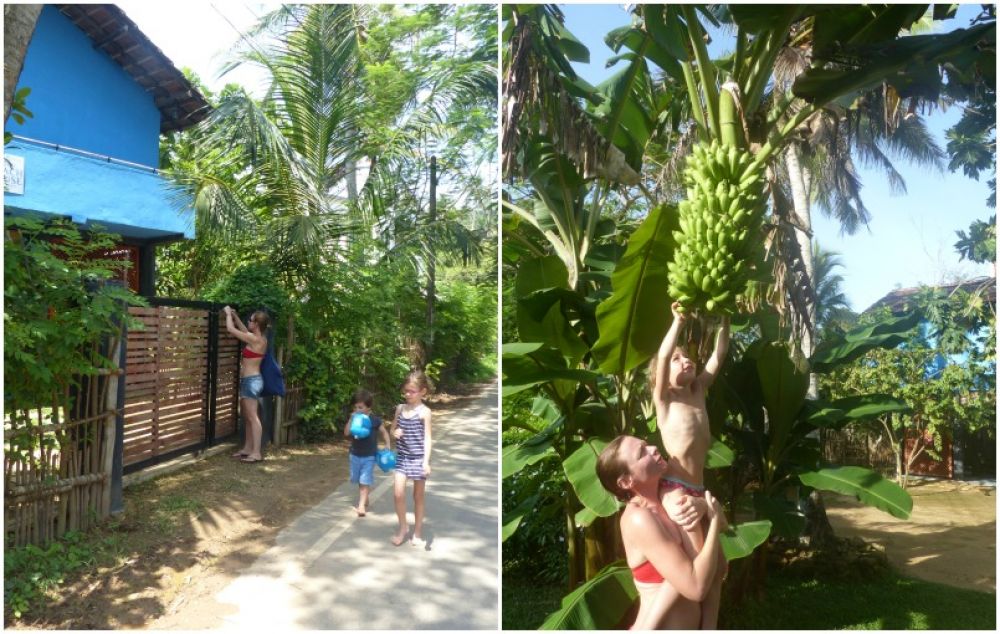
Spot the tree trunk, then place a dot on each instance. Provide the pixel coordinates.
(799, 181)
(575, 574)
(429, 348)
(818, 527)
(603, 543)
(18, 26)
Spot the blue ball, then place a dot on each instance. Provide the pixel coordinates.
(361, 425)
(386, 459)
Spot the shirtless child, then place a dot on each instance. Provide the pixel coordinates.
(681, 416)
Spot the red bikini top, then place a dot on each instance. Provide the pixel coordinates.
(646, 573)
(250, 354)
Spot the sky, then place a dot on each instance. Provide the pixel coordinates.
(910, 240)
(198, 35)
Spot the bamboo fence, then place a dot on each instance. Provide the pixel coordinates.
(58, 460)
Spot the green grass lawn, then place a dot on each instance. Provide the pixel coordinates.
(889, 603)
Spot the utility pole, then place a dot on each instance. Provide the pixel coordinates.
(430, 266)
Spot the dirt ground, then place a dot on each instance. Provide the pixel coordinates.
(183, 537)
(950, 537)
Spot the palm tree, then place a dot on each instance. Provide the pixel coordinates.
(819, 165)
(831, 303)
(18, 26)
(322, 116)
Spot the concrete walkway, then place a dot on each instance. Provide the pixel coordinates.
(333, 570)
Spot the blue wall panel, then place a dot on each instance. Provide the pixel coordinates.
(89, 189)
(82, 98)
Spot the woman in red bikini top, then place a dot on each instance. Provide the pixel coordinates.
(672, 581)
(251, 383)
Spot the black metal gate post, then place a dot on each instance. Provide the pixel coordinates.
(212, 373)
(118, 462)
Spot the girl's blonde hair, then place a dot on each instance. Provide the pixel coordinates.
(418, 378)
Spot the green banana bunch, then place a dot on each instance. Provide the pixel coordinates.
(719, 244)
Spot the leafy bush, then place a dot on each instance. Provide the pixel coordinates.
(352, 332)
(252, 287)
(30, 571)
(465, 330)
(57, 305)
(537, 550)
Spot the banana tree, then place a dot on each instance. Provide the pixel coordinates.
(586, 324)
(760, 408)
(853, 49)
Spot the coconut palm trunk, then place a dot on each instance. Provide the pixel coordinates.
(18, 26)
(798, 182)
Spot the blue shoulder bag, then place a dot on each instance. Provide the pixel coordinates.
(274, 380)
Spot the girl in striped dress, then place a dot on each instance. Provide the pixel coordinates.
(411, 427)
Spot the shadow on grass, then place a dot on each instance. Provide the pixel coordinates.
(892, 603)
(889, 603)
(525, 605)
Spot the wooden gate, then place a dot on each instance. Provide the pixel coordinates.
(181, 381)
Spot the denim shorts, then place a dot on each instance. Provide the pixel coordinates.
(362, 469)
(251, 386)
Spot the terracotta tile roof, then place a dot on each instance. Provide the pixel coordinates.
(897, 298)
(179, 102)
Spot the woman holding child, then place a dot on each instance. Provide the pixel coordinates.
(675, 557)
(672, 581)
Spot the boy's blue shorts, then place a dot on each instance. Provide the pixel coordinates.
(362, 469)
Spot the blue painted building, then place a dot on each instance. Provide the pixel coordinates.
(101, 95)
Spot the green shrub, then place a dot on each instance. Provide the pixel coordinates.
(465, 331)
(537, 550)
(252, 287)
(31, 571)
(351, 333)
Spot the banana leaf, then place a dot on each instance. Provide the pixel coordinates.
(527, 364)
(552, 328)
(512, 519)
(599, 604)
(837, 351)
(517, 457)
(864, 484)
(580, 468)
(584, 517)
(784, 381)
(636, 316)
(786, 519)
(847, 410)
(719, 455)
(740, 540)
(893, 61)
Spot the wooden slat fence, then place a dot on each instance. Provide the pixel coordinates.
(288, 430)
(227, 381)
(181, 382)
(58, 458)
(176, 391)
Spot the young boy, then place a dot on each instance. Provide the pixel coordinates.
(681, 416)
(363, 450)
